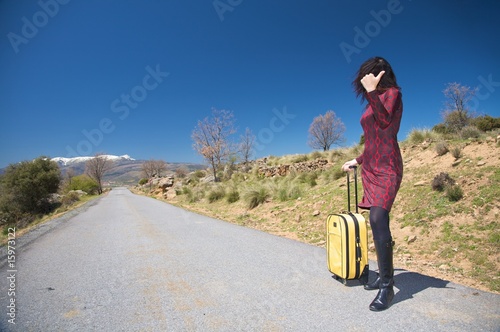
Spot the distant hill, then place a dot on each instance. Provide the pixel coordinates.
(125, 170)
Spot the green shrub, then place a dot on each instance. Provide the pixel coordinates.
(82, 182)
(287, 191)
(456, 120)
(199, 174)
(441, 148)
(256, 197)
(195, 195)
(26, 187)
(416, 136)
(440, 129)
(486, 123)
(143, 181)
(216, 194)
(441, 181)
(335, 155)
(70, 198)
(300, 158)
(316, 155)
(233, 196)
(308, 178)
(454, 193)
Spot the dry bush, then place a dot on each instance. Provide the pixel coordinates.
(456, 152)
(442, 148)
(469, 132)
(441, 181)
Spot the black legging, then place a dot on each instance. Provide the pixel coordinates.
(379, 221)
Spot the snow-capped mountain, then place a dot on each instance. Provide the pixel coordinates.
(124, 170)
(76, 160)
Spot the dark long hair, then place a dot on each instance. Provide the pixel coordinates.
(374, 65)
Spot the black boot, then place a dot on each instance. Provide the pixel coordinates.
(386, 275)
(374, 284)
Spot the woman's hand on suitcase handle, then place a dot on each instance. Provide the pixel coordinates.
(347, 165)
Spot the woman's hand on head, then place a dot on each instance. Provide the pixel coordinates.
(348, 164)
(371, 81)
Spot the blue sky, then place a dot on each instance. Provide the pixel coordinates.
(134, 77)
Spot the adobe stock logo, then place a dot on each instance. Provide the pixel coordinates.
(363, 37)
(277, 124)
(122, 106)
(222, 6)
(29, 30)
(489, 85)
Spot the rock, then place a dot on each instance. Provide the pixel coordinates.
(444, 267)
(207, 179)
(420, 184)
(298, 218)
(456, 163)
(300, 167)
(165, 183)
(170, 194)
(481, 163)
(411, 239)
(79, 192)
(316, 213)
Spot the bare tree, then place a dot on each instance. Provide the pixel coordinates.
(153, 167)
(70, 174)
(211, 138)
(148, 169)
(96, 167)
(160, 166)
(182, 171)
(456, 114)
(247, 142)
(326, 130)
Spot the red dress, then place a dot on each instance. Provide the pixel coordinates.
(382, 169)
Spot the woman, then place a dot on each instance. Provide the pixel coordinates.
(382, 168)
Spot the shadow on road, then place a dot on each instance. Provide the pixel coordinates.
(407, 283)
(411, 283)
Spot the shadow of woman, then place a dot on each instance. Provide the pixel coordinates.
(411, 283)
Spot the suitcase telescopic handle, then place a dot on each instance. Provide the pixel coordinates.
(355, 168)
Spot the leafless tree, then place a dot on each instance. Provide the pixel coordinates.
(326, 130)
(247, 142)
(148, 169)
(182, 171)
(160, 166)
(153, 167)
(96, 167)
(70, 173)
(456, 114)
(211, 138)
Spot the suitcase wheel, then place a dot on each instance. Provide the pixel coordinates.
(343, 280)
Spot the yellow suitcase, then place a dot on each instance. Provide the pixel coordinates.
(347, 242)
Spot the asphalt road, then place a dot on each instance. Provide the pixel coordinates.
(131, 263)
